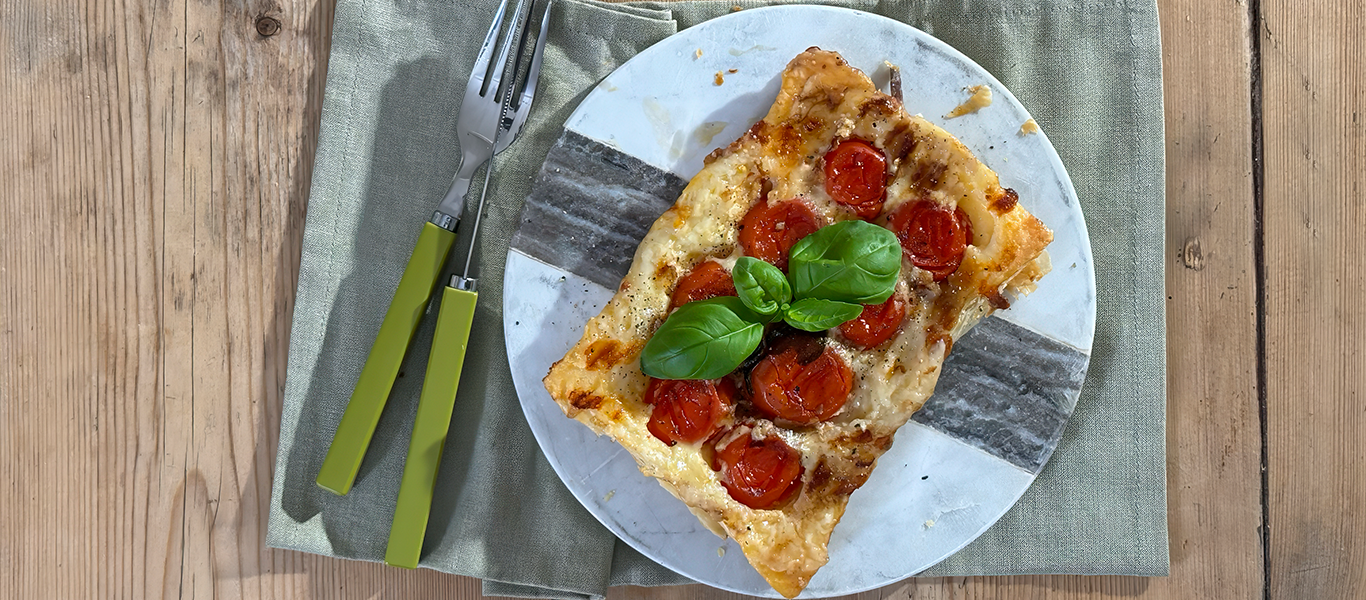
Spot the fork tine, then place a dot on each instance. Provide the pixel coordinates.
(506, 45)
(534, 73)
(483, 63)
(521, 102)
(525, 28)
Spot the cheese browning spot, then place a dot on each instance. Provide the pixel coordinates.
(820, 477)
(937, 335)
(665, 275)
(785, 145)
(900, 143)
(879, 107)
(1004, 202)
(998, 301)
(980, 99)
(843, 486)
(758, 132)
(928, 174)
(584, 400)
(681, 212)
(605, 354)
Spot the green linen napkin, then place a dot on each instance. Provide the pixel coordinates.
(1089, 72)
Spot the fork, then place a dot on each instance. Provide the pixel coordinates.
(492, 113)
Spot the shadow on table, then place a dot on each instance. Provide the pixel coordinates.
(401, 173)
(413, 152)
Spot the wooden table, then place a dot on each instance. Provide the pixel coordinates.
(155, 162)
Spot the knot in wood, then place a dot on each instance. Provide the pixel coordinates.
(267, 26)
(1191, 256)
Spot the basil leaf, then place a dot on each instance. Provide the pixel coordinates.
(814, 314)
(850, 261)
(761, 286)
(702, 340)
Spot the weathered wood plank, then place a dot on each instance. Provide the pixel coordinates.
(1314, 119)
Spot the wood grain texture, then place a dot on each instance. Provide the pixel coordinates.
(156, 160)
(1213, 421)
(1314, 118)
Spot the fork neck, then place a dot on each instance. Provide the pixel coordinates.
(448, 213)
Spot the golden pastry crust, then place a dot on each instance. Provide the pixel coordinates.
(822, 101)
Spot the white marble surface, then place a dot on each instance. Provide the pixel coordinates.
(925, 500)
(673, 121)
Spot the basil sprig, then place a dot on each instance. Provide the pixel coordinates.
(850, 261)
(702, 340)
(762, 287)
(832, 272)
(816, 314)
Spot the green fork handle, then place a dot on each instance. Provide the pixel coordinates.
(430, 427)
(358, 423)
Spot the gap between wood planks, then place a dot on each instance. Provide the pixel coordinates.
(1254, 8)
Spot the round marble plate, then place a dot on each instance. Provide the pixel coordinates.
(1005, 393)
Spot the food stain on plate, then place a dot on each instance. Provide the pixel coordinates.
(704, 134)
(662, 124)
(739, 52)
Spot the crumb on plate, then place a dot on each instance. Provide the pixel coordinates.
(980, 99)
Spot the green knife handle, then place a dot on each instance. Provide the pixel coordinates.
(381, 366)
(430, 427)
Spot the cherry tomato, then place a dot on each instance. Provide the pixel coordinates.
(687, 410)
(707, 280)
(932, 237)
(800, 379)
(856, 176)
(876, 324)
(768, 232)
(760, 473)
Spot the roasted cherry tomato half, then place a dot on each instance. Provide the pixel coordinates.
(762, 473)
(856, 176)
(769, 231)
(876, 324)
(932, 236)
(707, 280)
(687, 410)
(800, 379)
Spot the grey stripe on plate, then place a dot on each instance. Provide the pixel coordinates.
(590, 206)
(1007, 390)
(1004, 388)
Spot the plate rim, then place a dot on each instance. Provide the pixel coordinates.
(938, 46)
